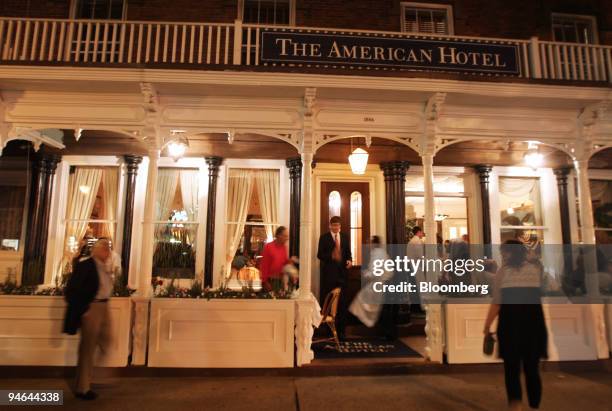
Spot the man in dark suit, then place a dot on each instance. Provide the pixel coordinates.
(334, 254)
(87, 293)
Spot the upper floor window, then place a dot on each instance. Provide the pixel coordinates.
(574, 28)
(99, 9)
(267, 11)
(427, 18)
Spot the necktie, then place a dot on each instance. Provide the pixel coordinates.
(336, 254)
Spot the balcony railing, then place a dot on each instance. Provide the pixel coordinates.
(210, 45)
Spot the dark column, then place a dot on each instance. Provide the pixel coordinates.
(395, 180)
(561, 174)
(566, 236)
(41, 191)
(132, 163)
(484, 171)
(295, 176)
(213, 172)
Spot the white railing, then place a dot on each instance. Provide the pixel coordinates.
(166, 44)
(114, 42)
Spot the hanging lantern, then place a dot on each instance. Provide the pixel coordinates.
(533, 158)
(358, 160)
(177, 146)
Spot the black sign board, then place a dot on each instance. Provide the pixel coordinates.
(392, 52)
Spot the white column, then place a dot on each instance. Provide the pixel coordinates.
(585, 207)
(306, 227)
(430, 212)
(146, 260)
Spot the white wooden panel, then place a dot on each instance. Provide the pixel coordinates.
(367, 119)
(571, 333)
(253, 116)
(223, 333)
(31, 332)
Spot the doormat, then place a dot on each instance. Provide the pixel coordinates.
(363, 348)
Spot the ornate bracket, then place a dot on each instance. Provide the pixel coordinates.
(152, 114)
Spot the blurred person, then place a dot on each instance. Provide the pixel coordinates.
(521, 330)
(367, 304)
(274, 258)
(334, 254)
(87, 294)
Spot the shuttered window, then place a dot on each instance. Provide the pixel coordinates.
(427, 18)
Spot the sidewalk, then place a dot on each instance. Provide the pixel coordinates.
(572, 390)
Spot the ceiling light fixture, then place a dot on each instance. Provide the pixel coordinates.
(533, 158)
(177, 144)
(358, 159)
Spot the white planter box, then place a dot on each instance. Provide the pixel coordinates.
(221, 333)
(31, 332)
(572, 334)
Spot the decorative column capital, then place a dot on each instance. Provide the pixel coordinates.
(213, 163)
(294, 165)
(394, 169)
(484, 172)
(132, 163)
(561, 174)
(47, 163)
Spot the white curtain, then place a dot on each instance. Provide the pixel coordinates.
(167, 180)
(518, 187)
(189, 192)
(82, 192)
(267, 182)
(240, 185)
(110, 189)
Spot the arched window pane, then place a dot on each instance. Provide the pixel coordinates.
(335, 202)
(356, 227)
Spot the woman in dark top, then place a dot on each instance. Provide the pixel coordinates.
(521, 330)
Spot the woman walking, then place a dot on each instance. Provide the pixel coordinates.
(521, 330)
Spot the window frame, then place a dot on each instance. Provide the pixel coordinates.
(240, 14)
(24, 215)
(575, 17)
(434, 6)
(73, 11)
(57, 217)
(200, 240)
(220, 234)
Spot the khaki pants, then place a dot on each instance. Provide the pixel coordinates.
(95, 331)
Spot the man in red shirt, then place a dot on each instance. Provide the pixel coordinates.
(275, 256)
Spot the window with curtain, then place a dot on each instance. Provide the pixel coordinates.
(521, 210)
(252, 216)
(267, 11)
(356, 227)
(601, 200)
(91, 211)
(427, 18)
(176, 225)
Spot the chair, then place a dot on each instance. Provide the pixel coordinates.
(328, 316)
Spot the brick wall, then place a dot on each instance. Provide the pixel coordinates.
(490, 18)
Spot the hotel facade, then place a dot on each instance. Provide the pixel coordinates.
(492, 123)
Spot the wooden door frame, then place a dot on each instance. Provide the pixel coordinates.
(341, 173)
